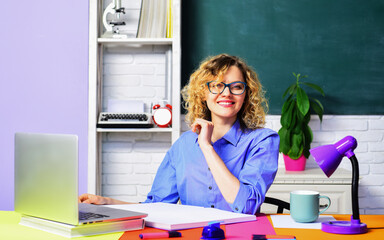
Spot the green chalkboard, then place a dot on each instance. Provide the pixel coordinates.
(339, 44)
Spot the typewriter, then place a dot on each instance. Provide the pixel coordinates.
(124, 120)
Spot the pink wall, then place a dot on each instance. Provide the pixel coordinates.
(43, 78)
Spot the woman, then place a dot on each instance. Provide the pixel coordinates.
(227, 160)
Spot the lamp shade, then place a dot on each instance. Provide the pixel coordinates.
(328, 157)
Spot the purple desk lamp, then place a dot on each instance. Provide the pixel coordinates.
(328, 157)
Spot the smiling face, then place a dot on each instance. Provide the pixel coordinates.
(197, 97)
(225, 106)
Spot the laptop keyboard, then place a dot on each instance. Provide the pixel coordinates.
(90, 215)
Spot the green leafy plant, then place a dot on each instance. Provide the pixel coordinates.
(295, 134)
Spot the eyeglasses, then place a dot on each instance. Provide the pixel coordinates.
(236, 88)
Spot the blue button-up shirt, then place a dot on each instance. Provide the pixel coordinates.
(251, 156)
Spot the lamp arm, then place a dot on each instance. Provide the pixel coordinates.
(355, 187)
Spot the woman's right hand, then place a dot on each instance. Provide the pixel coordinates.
(99, 200)
(204, 129)
(93, 199)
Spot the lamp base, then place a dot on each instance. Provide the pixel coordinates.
(344, 227)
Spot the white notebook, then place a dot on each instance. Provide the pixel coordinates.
(175, 216)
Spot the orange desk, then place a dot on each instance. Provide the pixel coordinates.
(11, 230)
(375, 225)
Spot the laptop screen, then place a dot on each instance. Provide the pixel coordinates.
(46, 176)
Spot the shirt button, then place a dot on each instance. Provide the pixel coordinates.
(236, 208)
(212, 206)
(209, 169)
(210, 187)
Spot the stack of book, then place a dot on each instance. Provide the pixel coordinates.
(69, 231)
(155, 19)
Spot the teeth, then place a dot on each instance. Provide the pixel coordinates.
(225, 103)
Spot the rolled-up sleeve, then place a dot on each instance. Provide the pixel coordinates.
(257, 174)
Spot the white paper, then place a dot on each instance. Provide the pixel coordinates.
(175, 216)
(125, 106)
(286, 221)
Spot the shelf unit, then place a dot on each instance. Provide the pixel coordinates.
(337, 188)
(97, 48)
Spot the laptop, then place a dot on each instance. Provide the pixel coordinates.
(46, 181)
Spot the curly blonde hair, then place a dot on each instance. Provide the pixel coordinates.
(251, 115)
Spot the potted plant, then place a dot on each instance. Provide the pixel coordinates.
(295, 133)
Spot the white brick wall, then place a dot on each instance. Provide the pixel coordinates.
(137, 75)
(130, 160)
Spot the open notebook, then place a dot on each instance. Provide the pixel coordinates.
(175, 216)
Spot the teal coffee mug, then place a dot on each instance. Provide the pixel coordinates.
(305, 205)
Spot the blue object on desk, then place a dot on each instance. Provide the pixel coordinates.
(213, 232)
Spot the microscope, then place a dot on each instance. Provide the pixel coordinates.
(112, 27)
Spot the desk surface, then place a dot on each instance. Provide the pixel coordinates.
(11, 230)
(373, 222)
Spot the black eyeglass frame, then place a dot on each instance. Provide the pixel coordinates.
(229, 87)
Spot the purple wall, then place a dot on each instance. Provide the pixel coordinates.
(43, 78)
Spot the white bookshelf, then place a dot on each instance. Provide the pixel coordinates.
(171, 47)
(134, 130)
(140, 41)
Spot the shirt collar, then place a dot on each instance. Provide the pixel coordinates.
(233, 135)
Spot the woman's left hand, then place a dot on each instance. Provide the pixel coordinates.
(204, 129)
